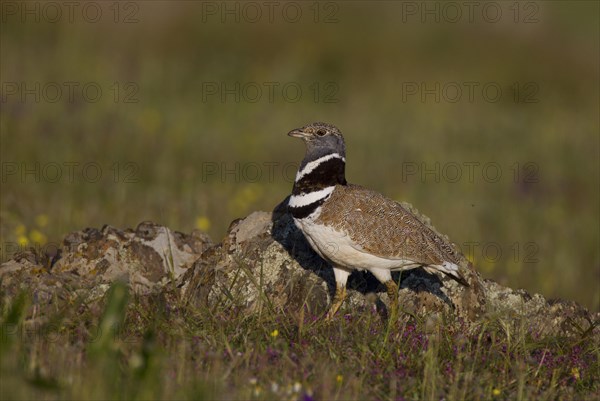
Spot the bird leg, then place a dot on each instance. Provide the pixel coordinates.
(341, 277)
(392, 291)
(338, 300)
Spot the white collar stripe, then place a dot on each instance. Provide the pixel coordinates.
(311, 197)
(310, 166)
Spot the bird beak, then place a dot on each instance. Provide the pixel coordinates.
(298, 133)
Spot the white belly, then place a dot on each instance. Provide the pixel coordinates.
(338, 248)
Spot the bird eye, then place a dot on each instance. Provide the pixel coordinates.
(321, 132)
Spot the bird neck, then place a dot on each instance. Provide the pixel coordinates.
(318, 172)
(315, 181)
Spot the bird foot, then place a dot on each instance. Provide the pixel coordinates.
(392, 291)
(338, 300)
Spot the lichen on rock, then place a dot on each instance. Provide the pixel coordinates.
(263, 264)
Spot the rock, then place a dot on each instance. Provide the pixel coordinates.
(265, 261)
(146, 258)
(264, 265)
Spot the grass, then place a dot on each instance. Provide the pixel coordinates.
(137, 349)
(185, 161)
(188, 160)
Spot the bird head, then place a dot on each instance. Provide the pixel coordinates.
(321, 138)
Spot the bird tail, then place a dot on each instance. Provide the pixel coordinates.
(452, 271)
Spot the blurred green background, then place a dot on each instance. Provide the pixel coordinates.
(181, 136)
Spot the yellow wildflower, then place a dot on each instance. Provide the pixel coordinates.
(257, 391)
(275, 333)
(496, 392)
(203, 223)
(339, 379)
(37, 237)
(22, 240)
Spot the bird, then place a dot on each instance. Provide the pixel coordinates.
(355, 228)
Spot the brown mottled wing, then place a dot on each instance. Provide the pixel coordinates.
(383, 227)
